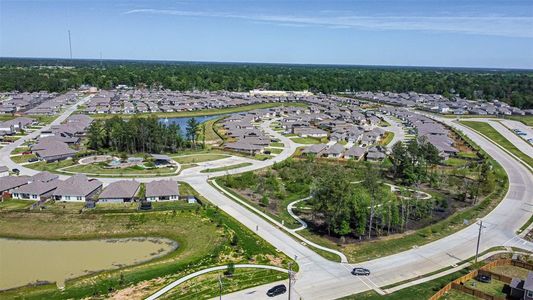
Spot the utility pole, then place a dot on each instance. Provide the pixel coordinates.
(291, 279)
(220, 286)
(478, 239)
(70, 44)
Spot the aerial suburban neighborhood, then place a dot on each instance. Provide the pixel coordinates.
(253, 150)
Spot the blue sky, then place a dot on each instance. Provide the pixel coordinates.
(470, 33)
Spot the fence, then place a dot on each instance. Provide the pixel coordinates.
(457, 284)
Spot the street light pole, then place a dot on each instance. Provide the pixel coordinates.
(478, 239)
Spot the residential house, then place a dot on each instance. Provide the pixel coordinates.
(120, 191)
(334, 151)
(36, 190)
(316, 149)
(78, 188)
(162, 190)
(356, 153)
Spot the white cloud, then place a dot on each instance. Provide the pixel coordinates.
(507, 26)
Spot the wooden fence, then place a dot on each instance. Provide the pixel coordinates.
(457, 284)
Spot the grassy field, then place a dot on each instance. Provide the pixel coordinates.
(207, 286)
(20, 150)
(277, 144)
(198, 158)
(13, 204)
(226, 168)
(204, 234)
(494, 135)
(204, 112)
(130, 171)
(455, 162)
(274, 150)
(528, 120)
(387, 138)
(307, 140)
(511, 271)
(22, 158)
(211, 135)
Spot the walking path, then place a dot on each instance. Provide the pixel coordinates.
(289, 209)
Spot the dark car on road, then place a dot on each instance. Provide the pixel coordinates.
(277, 290)
(360, 272)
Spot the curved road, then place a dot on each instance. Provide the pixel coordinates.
(319, 278)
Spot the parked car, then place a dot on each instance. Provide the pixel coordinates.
(33, 159)
(360, 272)
(277, 290)
(484, 278)
(26, 152)
(16, 171)
(522, 133)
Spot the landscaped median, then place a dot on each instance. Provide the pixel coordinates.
(226, 168)
(497, 138)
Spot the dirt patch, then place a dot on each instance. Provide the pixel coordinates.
(139, 291)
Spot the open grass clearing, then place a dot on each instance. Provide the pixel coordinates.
(98, 169)
(307, 140)
(387, 138)
(187, 159)
(274, 150)
(499, 139)
(277, 144)
(22, 158)
(14, 204)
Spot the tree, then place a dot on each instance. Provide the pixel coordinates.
(192, 130)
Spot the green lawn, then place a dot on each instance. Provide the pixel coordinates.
(22, 158)
(14, 204)
(306, 140)
(50, 167)
(274, 150)
(455, 162)
(528, 120)
(226, 168)
(511, 271)
(207, 286)
(495, 136)
(210, 132)
(458, 295)
(204, 112)
(130, 171)
(387, 138)
(198, 158)
(204, 235)
(277, 144)
(494, 287)
(20, 150)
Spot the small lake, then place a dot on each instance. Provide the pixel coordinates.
(182, 122)
(29, 261)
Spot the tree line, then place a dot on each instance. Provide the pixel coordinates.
(513, 87)
(145, 135)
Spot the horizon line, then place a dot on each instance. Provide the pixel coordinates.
(269, 63)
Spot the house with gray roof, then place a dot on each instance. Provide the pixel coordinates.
(120, 191)
(162, 190)
(334, 151)
(78, 188)
(316, 149)
(8, 183)
(51, 150)
(375, 154)
(309, 132)
(356, 153)
(36, 190)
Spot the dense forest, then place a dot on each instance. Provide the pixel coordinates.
(512, 86)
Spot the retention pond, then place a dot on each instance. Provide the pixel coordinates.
(37, 261)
